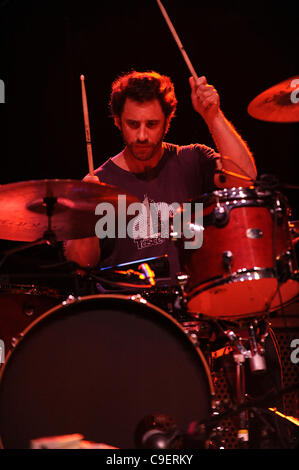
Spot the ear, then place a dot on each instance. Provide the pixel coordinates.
(117, 122)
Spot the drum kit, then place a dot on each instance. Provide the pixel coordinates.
(130, 362)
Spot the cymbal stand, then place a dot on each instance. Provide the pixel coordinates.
(243, 432)
(48, 238)
(49, 235)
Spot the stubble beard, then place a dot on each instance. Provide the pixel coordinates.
(147, 156)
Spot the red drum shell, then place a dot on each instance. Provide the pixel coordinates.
(255, 236)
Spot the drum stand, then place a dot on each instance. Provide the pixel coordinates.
(255, 355)
(48, 238)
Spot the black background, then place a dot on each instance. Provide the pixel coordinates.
(243, 48)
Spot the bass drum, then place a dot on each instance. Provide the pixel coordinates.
(97, 366)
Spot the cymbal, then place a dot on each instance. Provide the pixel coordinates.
(280, 103)
(72, 203)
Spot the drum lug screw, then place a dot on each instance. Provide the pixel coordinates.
(227, 258)
(29, 310)
(182, 279)
(194, 338)
(14, 340)
(221, 215)
(254, 233)
(71, 299)
(138, 298)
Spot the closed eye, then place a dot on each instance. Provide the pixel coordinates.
(133, 124)
(152, 123)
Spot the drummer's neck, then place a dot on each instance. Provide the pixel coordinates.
(128, 162)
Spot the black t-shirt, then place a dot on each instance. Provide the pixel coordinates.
(184, 173)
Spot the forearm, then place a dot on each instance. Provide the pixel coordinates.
(237, 157)
(237, 160)
(85, 251)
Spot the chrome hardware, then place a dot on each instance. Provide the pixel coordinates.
(138, 298)
(28, 310)
(70, 300)
(254, 233)
(227, 258)
(182, 278)
(220, 215)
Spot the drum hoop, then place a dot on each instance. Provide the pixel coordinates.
(251, 275)
(255, 273)
(253, 195)
(133, 298)
(209, 219)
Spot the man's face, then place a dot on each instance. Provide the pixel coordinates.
(143, 126)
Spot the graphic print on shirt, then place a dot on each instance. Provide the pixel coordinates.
(152, 226)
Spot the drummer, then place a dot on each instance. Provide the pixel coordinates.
(143, 105)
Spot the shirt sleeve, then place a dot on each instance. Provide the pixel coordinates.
(198, 165)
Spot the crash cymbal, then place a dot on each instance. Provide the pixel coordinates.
(280, 103)
(71, 204)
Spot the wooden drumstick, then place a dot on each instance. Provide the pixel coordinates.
(177, 39)
(87, 127)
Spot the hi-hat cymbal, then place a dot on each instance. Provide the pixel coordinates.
(71, 203)
(280, 103)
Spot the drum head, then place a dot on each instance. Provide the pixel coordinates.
(97, 367)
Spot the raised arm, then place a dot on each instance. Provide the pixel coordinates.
(237, 161)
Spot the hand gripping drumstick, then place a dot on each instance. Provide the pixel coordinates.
(87, 127)
(177, 39)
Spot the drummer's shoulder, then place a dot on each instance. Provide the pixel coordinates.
(104, 167)
(196, 152)
(189, 149)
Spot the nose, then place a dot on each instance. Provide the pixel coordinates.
(142, 133)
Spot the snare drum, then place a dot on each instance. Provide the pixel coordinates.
(97, 366)
(246, 265)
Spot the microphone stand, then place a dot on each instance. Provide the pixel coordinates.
(200, 430)
(255, 355)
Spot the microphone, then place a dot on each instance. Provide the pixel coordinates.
(158, 431)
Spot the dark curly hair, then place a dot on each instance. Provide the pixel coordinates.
(143, 86)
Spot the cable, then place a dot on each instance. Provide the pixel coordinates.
(244, 174)
(236, 175)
